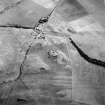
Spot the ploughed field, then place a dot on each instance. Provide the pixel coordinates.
(52, 72)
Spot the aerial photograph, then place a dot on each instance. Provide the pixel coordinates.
(52, 52)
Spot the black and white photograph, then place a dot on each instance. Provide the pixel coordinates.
(52, 52)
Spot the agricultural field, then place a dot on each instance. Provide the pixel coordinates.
(59, 61)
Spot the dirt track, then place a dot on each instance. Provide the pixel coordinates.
(65, 79)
